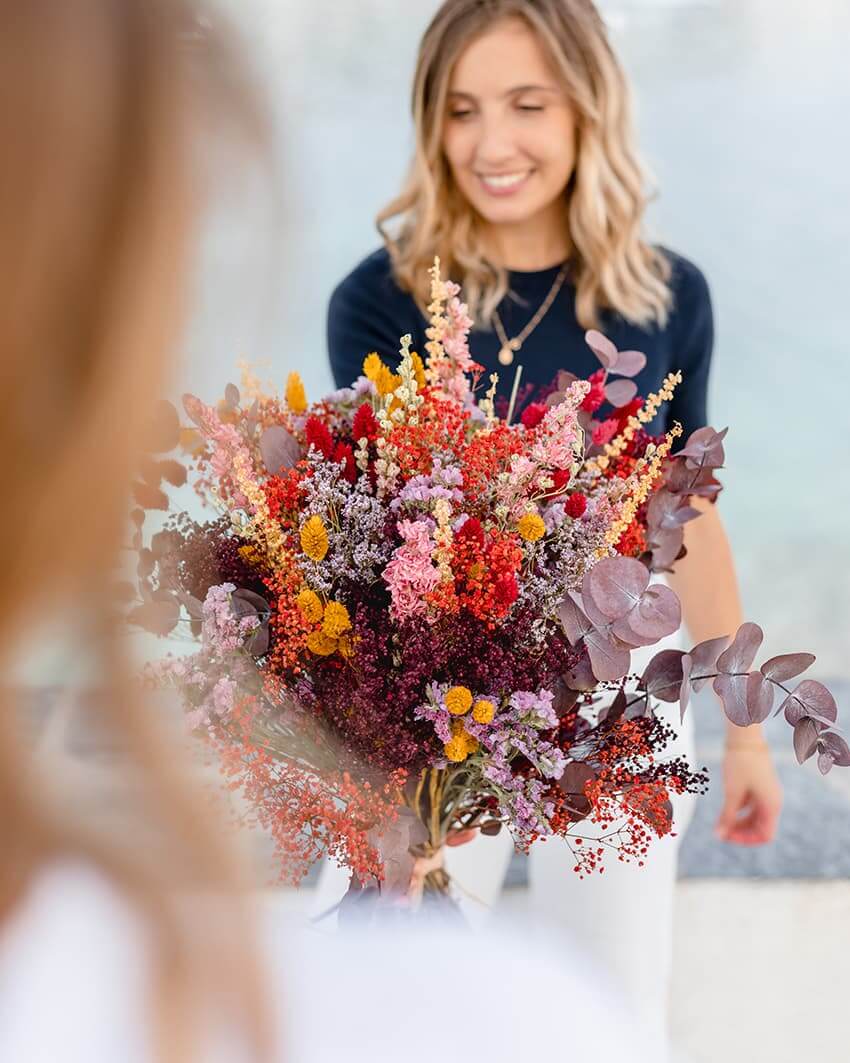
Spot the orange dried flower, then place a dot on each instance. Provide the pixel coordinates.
(314, 538)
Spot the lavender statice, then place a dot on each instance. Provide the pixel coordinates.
(420, 491)
(570, 551)
(362, 548)
(326, 493)
(211, 680)
(517, 737)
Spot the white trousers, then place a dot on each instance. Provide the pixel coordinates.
(621, 919)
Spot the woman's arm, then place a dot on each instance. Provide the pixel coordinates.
(706, 584)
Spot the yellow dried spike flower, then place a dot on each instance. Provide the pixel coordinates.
(314, 538)
(386, 381)
(418, 369)
(319, 643)
(372, 365)
(456, 750)
(346, 646)
(336, 620)
(310, 605)
(531, 527)
(483, 711)
(472, 744)
(458, 700)
(296, 396)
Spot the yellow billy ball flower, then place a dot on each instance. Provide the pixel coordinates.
(458, 700)
(472, 744)
(372, 365)
(456, 749)
(314, 538)
(320, 643)
(531, 527)
(310, 605)
(296, 396)
(483, 711)
(336, 620)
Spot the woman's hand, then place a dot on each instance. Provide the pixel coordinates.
(424, 865)
(752, 795)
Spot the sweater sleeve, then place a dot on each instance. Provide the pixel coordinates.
(693, 339)
(368, 312)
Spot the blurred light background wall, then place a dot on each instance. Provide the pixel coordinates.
(742, 108)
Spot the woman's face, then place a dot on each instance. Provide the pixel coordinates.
(509, 130)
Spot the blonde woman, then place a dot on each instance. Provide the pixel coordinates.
(526, 183)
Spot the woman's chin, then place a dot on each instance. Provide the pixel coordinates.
(505, 212)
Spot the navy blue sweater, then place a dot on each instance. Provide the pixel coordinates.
(368, 312)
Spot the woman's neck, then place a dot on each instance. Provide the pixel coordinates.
(534, 244)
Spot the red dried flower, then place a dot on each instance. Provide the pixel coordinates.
(473, 530)
(576, 505)
(623, 413)
(533, 414)
(506, 589)
(319, 436)
(344, 452)
(596, 396)
(283, 495)
(632, 543)
(364, 424)
(604, 432)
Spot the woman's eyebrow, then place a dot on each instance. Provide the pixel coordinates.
(515, 90)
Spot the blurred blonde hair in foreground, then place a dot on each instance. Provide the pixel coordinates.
(105, 111)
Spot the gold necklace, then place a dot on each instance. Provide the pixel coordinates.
(510, 347)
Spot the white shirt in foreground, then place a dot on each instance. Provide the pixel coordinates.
(74, 977)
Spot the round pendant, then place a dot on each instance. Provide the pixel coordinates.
(506, 355)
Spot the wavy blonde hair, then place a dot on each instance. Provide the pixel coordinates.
(614, 267)
(103, 106)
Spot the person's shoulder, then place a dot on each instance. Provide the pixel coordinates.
(688, 284)
(371, 279)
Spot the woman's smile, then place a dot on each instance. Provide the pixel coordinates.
(504, 184)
